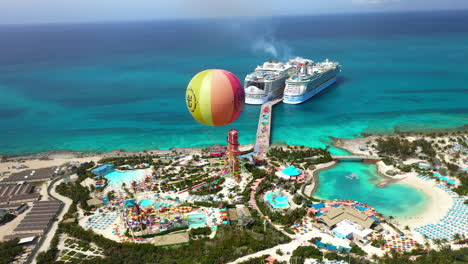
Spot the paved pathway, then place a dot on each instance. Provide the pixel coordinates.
(67, 202)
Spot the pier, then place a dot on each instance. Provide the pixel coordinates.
(262, 141)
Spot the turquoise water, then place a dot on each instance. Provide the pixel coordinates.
(197, 220)
(392, 200)
(276, 200)
(145, 203)
(154, 204)
(116, 178)
(98, 87)
(444, 178)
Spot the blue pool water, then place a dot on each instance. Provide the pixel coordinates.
(154, 204)
(116, 178)
(146, 203)
(276, 200)
(394, 199)
(197, 220)
(444, 178)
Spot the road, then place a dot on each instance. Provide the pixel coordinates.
(49, 235)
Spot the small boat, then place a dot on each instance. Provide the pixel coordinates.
(352, 176)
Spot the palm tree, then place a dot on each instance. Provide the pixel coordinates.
(426, 243)
(457, 237)
(437, 242)
(444, 241)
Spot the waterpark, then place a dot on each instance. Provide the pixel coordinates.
(296, 196)
(198, 190)
(277, 200)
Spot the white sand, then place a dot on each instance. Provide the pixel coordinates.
(437, 205)
(438, 201)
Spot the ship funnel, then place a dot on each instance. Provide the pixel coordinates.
(303, 69)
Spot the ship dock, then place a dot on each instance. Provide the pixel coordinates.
(262, 141)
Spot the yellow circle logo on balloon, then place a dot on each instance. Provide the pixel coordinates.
(215, 97)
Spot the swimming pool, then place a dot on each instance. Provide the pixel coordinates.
(277, 200)
(154, 204)
(146, 203)
(444, 178)
(197, 220)
(116, 178)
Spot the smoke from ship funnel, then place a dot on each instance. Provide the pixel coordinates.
(255, 29)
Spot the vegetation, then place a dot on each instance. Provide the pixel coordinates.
(83, 171)
(443, 256)
(299, 155)
(211, 188)
(9, 250)
(172, 230)
(462, 189)
(201, 231)
(302, 253)
(76, 192)
(132, 160)
(357, 250)
(230, 243)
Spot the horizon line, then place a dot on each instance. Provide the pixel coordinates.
(111, 21)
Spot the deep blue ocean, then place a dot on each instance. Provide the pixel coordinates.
(98, 87)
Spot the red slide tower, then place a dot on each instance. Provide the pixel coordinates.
(233, 153)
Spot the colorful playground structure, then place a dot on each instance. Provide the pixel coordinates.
(152, 217)
(231, 164)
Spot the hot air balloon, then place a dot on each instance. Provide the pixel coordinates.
(215, 97)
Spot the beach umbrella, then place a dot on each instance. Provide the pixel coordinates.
(215, 97)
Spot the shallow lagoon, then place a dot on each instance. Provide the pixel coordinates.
(394, 199)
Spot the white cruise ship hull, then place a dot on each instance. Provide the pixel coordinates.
(297, 99)
(256, 101)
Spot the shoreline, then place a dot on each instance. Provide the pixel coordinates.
(437, 201)
(315, 177)
(170, 150)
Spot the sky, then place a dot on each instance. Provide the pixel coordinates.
(76, 11)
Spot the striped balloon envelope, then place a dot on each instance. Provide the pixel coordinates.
(215, 97)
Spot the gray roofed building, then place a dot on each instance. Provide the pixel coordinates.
(37, 175)
(17, 193)
(38, 218)
(338, 214)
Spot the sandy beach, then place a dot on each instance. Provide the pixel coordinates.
(438, 202)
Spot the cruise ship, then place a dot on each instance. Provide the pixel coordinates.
(267, 82)
(309, 79)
